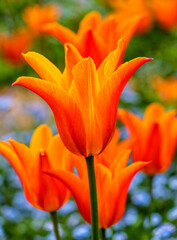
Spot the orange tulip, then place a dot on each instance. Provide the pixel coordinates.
(96, 37)
(36, 16)
(127, 8)
(45, 152)
(83, 100)
(13, 45)
(154, 137)
(167, 89)
(112, 183)
(165, 12)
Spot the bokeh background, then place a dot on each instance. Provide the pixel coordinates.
(21, 111)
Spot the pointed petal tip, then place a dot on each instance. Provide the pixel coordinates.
(16, 82)
(143, 164)
(11, 140)
(27, 53)
(149, 59)
(68, 46)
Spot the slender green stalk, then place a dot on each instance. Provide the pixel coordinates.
(55, 225)
(103, 233)
(151, 204)
(93, 197)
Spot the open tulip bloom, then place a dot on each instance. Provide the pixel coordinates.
(154, 137)
(84, 102)
(46, 151)
(96, 37)
(112, 179)
(154, 140)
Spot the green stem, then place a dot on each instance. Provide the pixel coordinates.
(103, 235)
(151, 204)
(55, 225)
(93, 197)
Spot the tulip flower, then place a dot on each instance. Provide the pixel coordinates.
(96, 37)
(46, 151)
(13, 45)
(128, 8)
(83, 100)
(166, 88)
(154, 137)
(112, 182)
(37, 16)
(165, 12)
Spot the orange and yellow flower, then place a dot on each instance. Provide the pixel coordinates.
(154, 137)
(12, 46)
(127, 9)
(37, 16)
(46, 151)
(165, 13)
(167, 89)
(83, 99)
(96, 37)
(112, 180)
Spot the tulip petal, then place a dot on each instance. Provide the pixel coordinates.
(152, 148)
(117, 194)
(63, 34)
(75, 185)
(72, 57)
(67, 115)
(84, 90)
(22, 151)
(103, 181)
(44, 68)
(40, 139)
(90, 21)
(170, 140)
(126, 29)
(8, 152)
(120, 161)
(60, 157)
(110, 63)
(49, 193)
(108, 98)
(92, 47)
(154, 111)
(131, 122)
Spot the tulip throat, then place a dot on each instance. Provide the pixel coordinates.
(42, 153)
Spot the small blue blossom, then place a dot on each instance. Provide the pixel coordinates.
(120, 236)
(138, 178)
(81, 232)
(164, 231)
(108, 233)
(10, 213)
(69, 207)
(172, 214)
(130, 216)
(141, 198)
(173, 183)
(74, 219)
